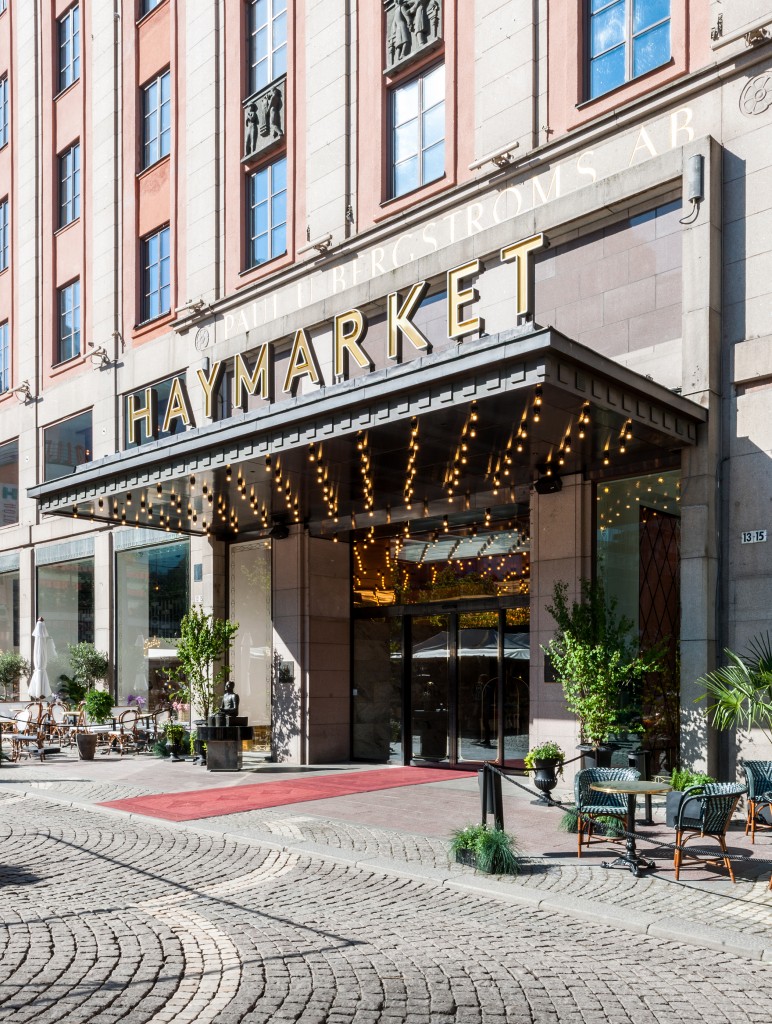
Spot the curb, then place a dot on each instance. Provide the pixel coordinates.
(673, 929)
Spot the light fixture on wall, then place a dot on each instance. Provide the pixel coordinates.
(549, 481)
(99, 356)
(23, 392)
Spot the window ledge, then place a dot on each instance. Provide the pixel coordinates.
(166, 158)
(61, 230)
(633, 82)
(149, 14)
(66, 89)
(146, 326)
(258, 267)
(67, 364)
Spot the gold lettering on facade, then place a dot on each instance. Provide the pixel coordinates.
(643, 142)
(208, 383)
(258, 381)
(520, 252)
(400, 322)
(177, 407)
(302, 363)
(144, 414)
(350, 329)
(459, 297)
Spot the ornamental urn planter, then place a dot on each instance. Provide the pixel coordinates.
(87, 744)
(545, 775)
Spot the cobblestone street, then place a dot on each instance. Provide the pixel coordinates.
(115, 918)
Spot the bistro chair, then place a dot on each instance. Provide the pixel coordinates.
(56, 723)
(124, 736)
(758, 776)
(591, 805)
(717, 804)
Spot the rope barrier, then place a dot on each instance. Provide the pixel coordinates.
(623, 833)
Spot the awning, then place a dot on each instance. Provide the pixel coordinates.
(477, 420)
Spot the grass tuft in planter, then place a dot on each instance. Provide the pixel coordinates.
(488, 849)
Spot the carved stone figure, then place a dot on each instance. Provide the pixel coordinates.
(419, 21)
(229, 705)
(274, 113)
(251, 129)
(401, 30)
(433, 14)
(411, 25)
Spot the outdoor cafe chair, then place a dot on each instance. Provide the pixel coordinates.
(758, 776)
(717, 802)
(56, 724)
(123, 737)
(591, 805)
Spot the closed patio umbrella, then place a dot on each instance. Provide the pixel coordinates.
(39, 686)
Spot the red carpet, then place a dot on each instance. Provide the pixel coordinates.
(211, 803)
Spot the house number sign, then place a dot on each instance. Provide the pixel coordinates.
(753, 537)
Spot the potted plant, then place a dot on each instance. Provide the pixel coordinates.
(740, 693)
(681, 779)
(595, 658)
(546, 763)
(99, 708)
(203, 641)
(488, 849)
(12, 668)
(88, 665)
(175, 736)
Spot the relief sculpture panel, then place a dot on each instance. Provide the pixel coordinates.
(412, 27)
(264, 114)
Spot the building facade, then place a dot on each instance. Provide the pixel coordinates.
(364, 324)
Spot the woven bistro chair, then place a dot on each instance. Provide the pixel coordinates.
(717, 804)
(758, 776)
(591, 805)
(123, 737)
(57, 727)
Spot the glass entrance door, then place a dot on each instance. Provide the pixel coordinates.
(432, 648)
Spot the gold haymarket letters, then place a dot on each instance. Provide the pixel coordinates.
(177, 406)
(301, 364)
(400, 323)
(458, 297)
(519, 252)
(208, 383)
(350, 329)
(259, 381)
(143, 414)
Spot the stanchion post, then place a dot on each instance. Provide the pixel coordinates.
(640, 759)
(491, 801)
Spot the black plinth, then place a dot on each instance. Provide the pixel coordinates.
(223, 744)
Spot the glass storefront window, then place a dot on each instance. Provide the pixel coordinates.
(65, 599)
(67, 445)
(9, 622)
(152, 595)
(377, 690)
(251, 656)
(9, 483)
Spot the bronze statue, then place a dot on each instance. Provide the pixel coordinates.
(229, 705)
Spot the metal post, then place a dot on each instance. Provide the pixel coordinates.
(491, 800)
(640, 759)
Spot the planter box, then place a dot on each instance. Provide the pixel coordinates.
(87, 744)
(466, 857)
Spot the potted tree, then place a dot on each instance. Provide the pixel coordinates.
(546, 763)
(204, 641)
(12, 668)
(595, 657)
(99, 708)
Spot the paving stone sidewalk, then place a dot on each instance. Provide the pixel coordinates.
(394, 831)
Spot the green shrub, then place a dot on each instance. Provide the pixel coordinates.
(494, 849)
(548, 751)
(99, 706)
(683, 778)
(605, 825)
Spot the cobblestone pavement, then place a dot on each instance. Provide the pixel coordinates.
(107, 917)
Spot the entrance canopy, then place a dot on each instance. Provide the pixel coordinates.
(468, 425)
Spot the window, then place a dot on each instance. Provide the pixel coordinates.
(9, 483)
(4, 235)
(4, 111)
(267, 42)
(3, 6)
(147, 6)
(69, 185)
(156, 119)
(5, 359)
(627, 38)
(67, 445)
(156, 291)
(267, 227)
(65, 592)
(418, 131)
(69, 322)
(69, 47)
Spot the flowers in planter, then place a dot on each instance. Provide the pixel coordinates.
(135, 701)
(489, 849)
(548, 751)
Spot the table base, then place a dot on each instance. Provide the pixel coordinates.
(635, 864)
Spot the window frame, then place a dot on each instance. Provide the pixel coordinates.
(252, 206)
(627, 43)
(68, 70)
(62, 338)
(156, 134)
(5, 357)
(5, 234)
(69, 197)
(252, 32)
(147, 7)
(146, 268)
(4, 111)
(391, 102)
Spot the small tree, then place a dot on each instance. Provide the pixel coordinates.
(595, 656)
(88, 665)
(203, 641)
(12, 667)
(740, 694)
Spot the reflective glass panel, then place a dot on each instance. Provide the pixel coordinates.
(429, 687)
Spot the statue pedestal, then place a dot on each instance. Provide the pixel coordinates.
(223, 745)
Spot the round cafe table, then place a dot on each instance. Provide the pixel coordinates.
(630, 858)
